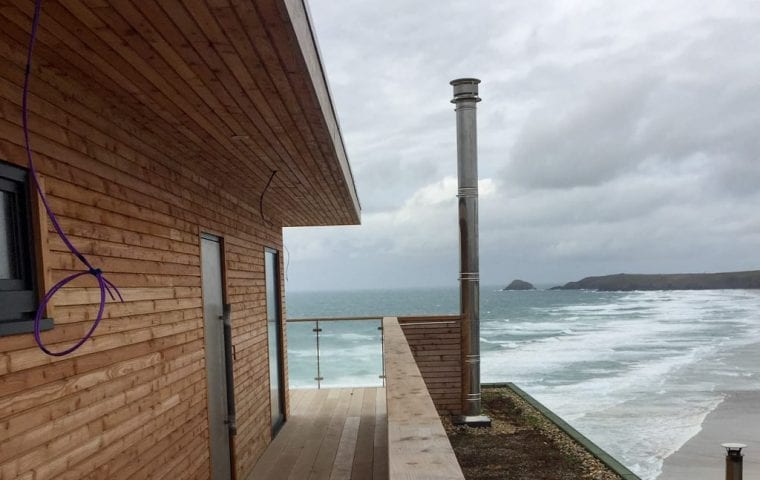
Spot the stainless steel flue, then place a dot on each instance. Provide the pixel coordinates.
(734, 460)
(466, 99)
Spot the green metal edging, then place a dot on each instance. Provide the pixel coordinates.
(590, 446)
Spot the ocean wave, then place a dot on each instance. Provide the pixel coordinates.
(637, 372)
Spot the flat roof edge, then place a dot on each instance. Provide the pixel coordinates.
(300, 19)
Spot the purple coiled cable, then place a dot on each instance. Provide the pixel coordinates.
(103, 283)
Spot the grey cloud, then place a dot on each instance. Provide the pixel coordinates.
(587, 145)
(634, 108)
(621, 136)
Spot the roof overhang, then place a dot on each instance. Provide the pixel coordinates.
(235, 90)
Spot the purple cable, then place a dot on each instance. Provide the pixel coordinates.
(103, 283)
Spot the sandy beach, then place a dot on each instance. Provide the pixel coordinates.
(736, 419)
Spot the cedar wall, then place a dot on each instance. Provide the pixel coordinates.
(131, 403)
(436, 344)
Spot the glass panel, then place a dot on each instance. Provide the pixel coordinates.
(302, 355)
(351, 353)
(271, 285)
(273, 332)
(8, 268)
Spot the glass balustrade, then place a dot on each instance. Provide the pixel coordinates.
(335, 352)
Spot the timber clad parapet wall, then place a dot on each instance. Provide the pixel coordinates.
(436, 344)
(417, 443)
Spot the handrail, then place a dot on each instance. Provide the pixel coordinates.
(434, 322)
(405, 320)
(454, 317)
(331, 319)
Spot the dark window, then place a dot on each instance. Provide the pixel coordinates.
(18, 298)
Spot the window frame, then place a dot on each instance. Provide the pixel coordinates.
(19, 296)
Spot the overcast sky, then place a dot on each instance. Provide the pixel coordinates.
(613, 137)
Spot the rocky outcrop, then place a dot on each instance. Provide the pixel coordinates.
(519, 285)
(676, 281)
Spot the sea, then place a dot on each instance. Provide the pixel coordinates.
(635, 372)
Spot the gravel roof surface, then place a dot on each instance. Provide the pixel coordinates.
(521, 444)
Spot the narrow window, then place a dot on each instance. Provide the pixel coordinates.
(274, 333)
(18, 298)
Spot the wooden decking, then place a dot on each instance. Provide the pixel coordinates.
(332, 434)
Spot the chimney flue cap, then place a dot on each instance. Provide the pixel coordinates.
(733, 449)
(465, 89)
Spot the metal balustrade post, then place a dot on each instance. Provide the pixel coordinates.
(319, 377)
(382, 349)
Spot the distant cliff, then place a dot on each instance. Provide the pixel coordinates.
(519, 285)
(676, 281)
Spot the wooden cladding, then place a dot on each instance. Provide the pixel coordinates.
(219, 93)
(133, 110)
(152, 122)
(131, 403)
(436, 344)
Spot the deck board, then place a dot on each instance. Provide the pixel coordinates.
(380, 458)
(332, 434)
(365, 451)
(323, 463)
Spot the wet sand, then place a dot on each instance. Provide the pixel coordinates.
(736, 419)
